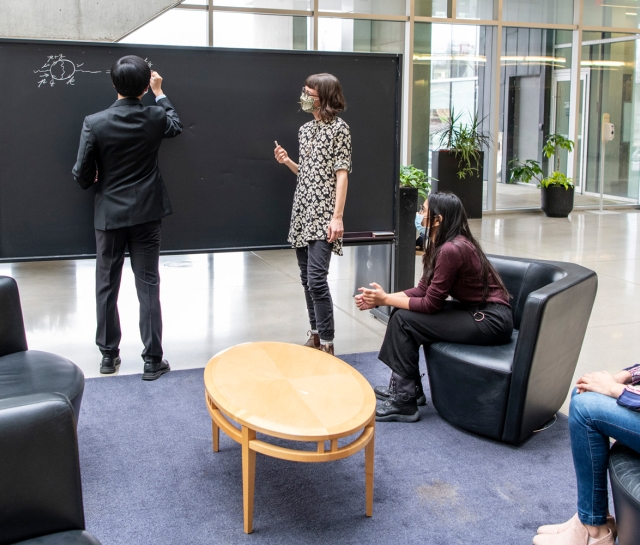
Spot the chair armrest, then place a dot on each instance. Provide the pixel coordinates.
(12, 334)
(40, 489)
(554, 323)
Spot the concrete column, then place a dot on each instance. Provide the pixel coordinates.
(95, 20)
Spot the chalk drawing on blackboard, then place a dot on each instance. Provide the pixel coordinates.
(145, 60)
(59, 69)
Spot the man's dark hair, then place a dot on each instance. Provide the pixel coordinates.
(130, 76)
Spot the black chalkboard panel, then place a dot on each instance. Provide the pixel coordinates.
(227, 190)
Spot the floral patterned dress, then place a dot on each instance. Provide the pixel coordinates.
(325, 148)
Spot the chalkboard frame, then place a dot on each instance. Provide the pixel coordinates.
(359, 238)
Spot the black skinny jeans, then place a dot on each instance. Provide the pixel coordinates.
(313, 261)
(407, 331)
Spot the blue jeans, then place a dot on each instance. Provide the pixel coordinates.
(593, 419)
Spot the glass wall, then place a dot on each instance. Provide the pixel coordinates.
(261, 31)
(621, 13)
(385, 7)
(528, 64)
(530, 89)
(360, 35)
(174, 27)
(451, 76)
(613, 88)
(540, 11)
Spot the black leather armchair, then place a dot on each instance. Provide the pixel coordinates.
(507, 392)
(24, 371)
(40, 489)
(624, 473)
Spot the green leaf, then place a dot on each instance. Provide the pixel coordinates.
(411, 176)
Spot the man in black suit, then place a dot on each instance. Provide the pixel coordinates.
(119, 153)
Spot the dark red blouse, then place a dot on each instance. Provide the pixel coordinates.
(458, 274)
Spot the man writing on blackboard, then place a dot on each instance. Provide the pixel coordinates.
(119, 153)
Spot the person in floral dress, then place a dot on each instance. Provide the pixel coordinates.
(318, 204)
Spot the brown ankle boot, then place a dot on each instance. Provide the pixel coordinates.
(313, 341)
(328, 348)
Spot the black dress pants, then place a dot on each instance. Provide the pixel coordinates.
(143, 242)
(487, 324)
(314, 261)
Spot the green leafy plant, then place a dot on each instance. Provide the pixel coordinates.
(411, 176)
(530, 169)
(466, 141)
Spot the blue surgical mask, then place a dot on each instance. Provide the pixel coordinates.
(419, 217)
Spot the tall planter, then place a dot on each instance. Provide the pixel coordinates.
(406, 256)
(444, 167)
(556, 201)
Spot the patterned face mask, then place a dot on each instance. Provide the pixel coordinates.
(306, 102)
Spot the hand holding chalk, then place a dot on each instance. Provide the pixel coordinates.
(156, 83)
(280, 154)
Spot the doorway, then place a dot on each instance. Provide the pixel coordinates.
(560, 109)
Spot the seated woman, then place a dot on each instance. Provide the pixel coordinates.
(606, 408)
(453, 265)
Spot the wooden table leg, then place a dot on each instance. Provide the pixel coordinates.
(368, 471)
(215, 432)
(248, 477)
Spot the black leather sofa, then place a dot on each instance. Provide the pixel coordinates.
(507, 392)
(40, 489)
(24, 371)
(624, 474)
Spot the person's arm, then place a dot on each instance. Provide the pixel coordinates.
(85, 171)
(600, 382)
(448, 264)
(614, 386)
(342, 168)
(283, 158)
(399, 299)
(336, 227)
(372, 298)
(173, 126)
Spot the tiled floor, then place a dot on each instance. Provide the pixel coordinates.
(520, 195)
(211, 302)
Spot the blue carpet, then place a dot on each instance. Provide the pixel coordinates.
(150, 477)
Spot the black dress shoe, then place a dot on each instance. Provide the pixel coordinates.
(109, 364)
(152, 371)
(399, 407)
(384, 392)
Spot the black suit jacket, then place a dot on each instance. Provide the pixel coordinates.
(122, 143)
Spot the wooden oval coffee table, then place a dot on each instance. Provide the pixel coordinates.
(291, 392)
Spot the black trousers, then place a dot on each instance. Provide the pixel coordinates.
(407, 331)
(143, 242)
(314, 261)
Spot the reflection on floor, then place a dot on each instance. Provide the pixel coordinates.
(211, 302)
(510, 196)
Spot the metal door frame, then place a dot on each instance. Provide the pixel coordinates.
(565, 75)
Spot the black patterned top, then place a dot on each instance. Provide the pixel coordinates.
(324, 149)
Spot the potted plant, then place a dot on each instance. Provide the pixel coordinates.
(414, 187)
(459, 162)
(556, 190)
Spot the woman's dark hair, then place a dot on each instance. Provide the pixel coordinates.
(130, 76)
(330, 94)
(454, 223)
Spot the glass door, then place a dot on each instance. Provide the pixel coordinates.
(560, 107)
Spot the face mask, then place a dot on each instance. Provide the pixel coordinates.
(419, 218)
(306, 102)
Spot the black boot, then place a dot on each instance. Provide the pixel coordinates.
(383, 392)
(401, 405)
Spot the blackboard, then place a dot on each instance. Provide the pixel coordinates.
(226, 189)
